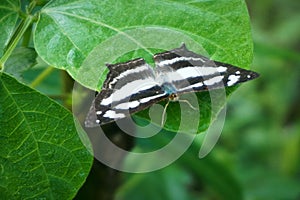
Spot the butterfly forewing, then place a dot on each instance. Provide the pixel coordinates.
(191, 72)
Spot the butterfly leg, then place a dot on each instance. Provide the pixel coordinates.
(164, 113)
(188, 103)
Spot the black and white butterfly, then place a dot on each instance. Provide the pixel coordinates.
(134, 85)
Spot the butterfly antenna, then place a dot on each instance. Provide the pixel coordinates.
(164, 113)
(188, 103)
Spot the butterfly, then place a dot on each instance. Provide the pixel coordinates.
(134, 85)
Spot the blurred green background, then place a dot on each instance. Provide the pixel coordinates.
(258, 154)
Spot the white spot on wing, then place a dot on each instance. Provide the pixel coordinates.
(177, 59)
(113, 115)
(106, 101)
(127, 105)
(146, 99)
(213, 80)
(233, 79)
(221, 69)
(98, 112)
(191, 86)
(98, 121)
(197, 85)
(134, 104)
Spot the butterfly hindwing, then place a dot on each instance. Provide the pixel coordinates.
(128, 88)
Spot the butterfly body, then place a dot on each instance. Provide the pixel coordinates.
(134, 85)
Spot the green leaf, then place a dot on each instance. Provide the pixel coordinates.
(8, 18)
(67, 31)
(20, 60)
(81, 37)
(41, 153)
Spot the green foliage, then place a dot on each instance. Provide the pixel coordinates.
(41, 153)
(213, 24)
(60, 43)
(9, 16)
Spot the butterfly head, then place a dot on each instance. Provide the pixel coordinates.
(173, 97)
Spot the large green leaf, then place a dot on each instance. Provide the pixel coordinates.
(81, 37)
(67, 31)
(41, 153)
(8, 18)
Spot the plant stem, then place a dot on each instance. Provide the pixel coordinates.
(27, 36)
(41, 76)
(67, 86)
(30, 7)
(15, 39)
